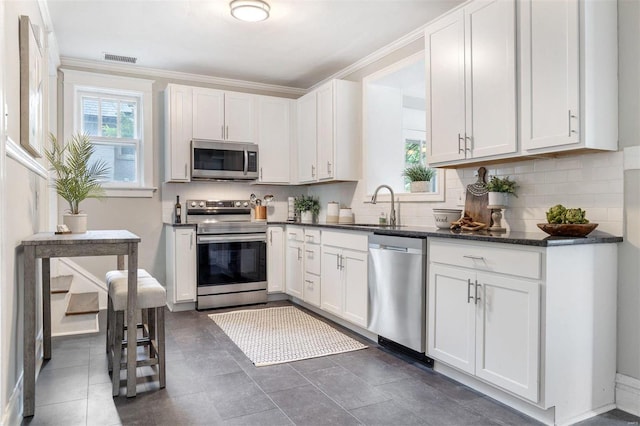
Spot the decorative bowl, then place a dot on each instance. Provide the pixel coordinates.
(444, 217)
(568, 229)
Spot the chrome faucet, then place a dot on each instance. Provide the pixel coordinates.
(392, 215)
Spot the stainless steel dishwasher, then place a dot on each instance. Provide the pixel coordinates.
(397, 291)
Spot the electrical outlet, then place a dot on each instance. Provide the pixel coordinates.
(462, 195)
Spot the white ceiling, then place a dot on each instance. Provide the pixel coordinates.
(302, 43)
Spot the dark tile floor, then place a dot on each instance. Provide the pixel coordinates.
(211, 382)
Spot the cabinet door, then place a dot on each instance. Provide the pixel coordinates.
(307, 138)
(208, 114)
(331, 296)
(451, 323)
(294, 268)
(356, 290)
(325, 123)
(444, 59)
(185, 265)
(240, 117)
(178, 133)
(490, 69)
(549, 73)
(274, 117)
(508, 333)
(275, 259)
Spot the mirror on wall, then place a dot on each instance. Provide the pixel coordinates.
(394, 121)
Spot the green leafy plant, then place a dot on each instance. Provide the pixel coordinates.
(504, 184)
(76, 177)
(418, 173)
(306, 203)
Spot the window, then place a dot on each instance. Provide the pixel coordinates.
(113, 123)
(116, 113)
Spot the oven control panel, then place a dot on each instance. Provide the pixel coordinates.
(217, 204)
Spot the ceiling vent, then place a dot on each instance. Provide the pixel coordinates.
(120, 58)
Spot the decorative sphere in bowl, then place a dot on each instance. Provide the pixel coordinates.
(568, 229)
(444, 217)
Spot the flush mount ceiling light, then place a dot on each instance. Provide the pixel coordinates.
(249, 10)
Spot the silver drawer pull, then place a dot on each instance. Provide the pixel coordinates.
(469, 285)
(468, 256)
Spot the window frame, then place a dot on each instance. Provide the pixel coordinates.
(77, 84)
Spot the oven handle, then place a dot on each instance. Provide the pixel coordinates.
(246, 162)
(204, 239)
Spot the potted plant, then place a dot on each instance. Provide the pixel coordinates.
(308, 207)
(76, 177)
(419, 177)
(499, 190)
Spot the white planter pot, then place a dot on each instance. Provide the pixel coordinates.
(498, 199)
(420, 186)
(77, 223)
(306, 217)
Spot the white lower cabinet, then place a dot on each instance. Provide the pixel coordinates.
(487, 325)
(294, 262)
(181, 267)
(344, 276)
(275, 259)
(533, 327)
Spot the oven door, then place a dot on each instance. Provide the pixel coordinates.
(231, 262)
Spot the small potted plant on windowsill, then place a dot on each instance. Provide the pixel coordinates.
(419, 177)
(499, 190)
(76, 177)
(308, 207)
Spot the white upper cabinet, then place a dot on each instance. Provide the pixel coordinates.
(329, 141)
(240, 117)
(274, 125)
(208, 114)
(178, 133)
(307, 137)
(568, 55)
(471, 83)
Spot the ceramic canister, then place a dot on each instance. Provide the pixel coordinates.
(345, 216)
(333, 211)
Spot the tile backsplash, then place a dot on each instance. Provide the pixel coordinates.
(592, 181)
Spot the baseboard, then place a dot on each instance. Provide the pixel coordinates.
(628, 394)
(12, 414)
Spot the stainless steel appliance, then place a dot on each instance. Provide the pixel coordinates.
(231, 253)
(212, 160)
(397, 291)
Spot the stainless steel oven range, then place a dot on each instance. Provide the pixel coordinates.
(231, 253)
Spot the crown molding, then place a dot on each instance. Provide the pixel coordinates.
(177, 75)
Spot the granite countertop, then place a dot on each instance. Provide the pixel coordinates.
(181, 225)
(539, 239)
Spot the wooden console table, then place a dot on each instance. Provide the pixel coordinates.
(46, 245)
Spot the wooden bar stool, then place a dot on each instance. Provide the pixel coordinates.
(151, 300)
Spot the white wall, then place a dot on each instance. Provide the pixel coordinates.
(24, 207)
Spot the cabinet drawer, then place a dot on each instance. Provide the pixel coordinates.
(311, 291)
(312, 236)
(485, 257)
(312, 259)
(295, 233)
(350, 240)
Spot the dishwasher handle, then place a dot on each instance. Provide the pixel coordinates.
(394, 248)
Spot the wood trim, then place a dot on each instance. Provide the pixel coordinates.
(19, 154)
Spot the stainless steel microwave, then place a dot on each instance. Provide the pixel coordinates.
(223, 160)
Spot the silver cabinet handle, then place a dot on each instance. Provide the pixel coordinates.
(185, 170)
(227, 133)
(468, 256)
(328, 167)
(299, 254)
(341, 262)
(260, 173)
(308, 282)
(467, 148)
(191, 242)
(476, 292)
(570, 129)
(469, 285)
(337, 261)
(460, 139)
(313, 171)
(222, 131)
(271, 236)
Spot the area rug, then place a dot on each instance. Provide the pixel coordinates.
(283, 334)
